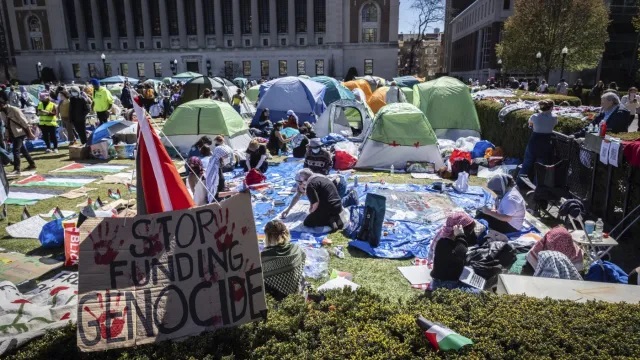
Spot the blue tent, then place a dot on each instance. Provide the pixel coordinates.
(304, 97)
(118, 79)
(335, 90)
(406, 81)
(108, 129)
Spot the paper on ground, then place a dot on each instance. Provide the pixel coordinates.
(27, 229)
(125, 178)
(338, 283)
(22, 174)
(416, 275)
(486, 173)
(77, 193)
(295, 219)
(17, 268)
(425, 176)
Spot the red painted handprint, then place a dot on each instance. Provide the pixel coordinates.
(117, 322)
(224, 235)
(103, 238)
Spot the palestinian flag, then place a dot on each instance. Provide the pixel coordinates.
(30, 196)
(57, 181)
(441, 337)
(100, 168)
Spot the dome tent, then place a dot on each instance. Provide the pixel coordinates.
(304, 97)
(335, 90)
(399, 133)
(359, 84)
(197, 118)
(448, 105)
(252, 93)
(193, 88)
(341, 117)
(406, 81)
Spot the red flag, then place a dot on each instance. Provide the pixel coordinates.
(163, 188)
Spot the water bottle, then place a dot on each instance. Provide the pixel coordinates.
(355, 181)
(598, 232)
(393, 169)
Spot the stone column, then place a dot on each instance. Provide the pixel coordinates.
(273, 23)
(182, 25)
(82, 35)
(97, 26)
(113, 26)
(310, 24)
(255, 23)
(200, 24)
(164, 24)
(146, 24)
(292, 22)
(131, 32)
(237, 33)
(218, 23)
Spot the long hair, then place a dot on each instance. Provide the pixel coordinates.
(276, 233)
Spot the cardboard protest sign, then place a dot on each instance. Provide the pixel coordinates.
(168, 275)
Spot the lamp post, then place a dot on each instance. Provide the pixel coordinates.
(538, 58)
(39, 71)
(208, 68)
(174, 66)
(500, 69)
(104, 64)
(565, 51)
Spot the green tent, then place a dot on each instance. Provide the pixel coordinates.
(399, 133)
(335, 91)
(186, 75)
(408, 93)
(252, 94)
(194, 119)
(448, 105)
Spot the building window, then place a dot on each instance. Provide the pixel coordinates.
(92, 46)
(320, 41)
(158, 44)
(70, 8)
(157, 69)
(190, 16)
(301, 41)
(283, 42)
(172, 11)
(245, 16)
(319, 67)
(138, 24)
(301, 67)
(140, 70)
(92, 70)
(104, 21)
(265, 42)
(88, 20)
(263, 16)
(120, 15)
(125, 45)
(282, 14)
(156, 27)
(35, 33)
(247, 42)
(77, 46)
(229, 43)
(75, 68)
(370, 13)
(228, 69)
(141, 45)
(282, 67)
(227, 16)
(368, 67)
(506, 5)
(246, 68)
(124, 69)
(209, 17)
(264, 68)
(107, 70)
(108, 44)
(301, 15)
(369, 35)
(319, 16)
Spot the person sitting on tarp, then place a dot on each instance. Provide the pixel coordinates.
(277, 142)
(448, 253)
(299, 144)
(556, 265)
(326, 204)
(195, 149)
(222, 156)
(196, 181)
(264, 126)
(282, 261)
(292, 120)
(512, 208)
(307, 130)
(256, 157)
(318, 159)
(560, 240)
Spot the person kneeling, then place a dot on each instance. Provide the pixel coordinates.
(282, 261)
(326, 204)
(512, 208)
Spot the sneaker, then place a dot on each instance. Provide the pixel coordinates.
(30, 167)
(14, 173)
(55, 151)
(47, 151)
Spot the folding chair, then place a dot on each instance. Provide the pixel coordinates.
(551, 186)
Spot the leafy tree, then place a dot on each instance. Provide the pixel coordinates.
(547, 26)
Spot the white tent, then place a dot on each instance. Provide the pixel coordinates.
(342, 117)
(399, 133)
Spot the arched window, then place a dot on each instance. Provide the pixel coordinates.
(369, 22)
(35, 33)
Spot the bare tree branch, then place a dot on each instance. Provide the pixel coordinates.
(430, 12)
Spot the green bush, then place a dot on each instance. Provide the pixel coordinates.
(365, 326)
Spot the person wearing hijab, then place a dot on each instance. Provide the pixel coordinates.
(554, 264)
(221, 157)
(560, 240)
(448, 253)
(48, 124)
(78, 110)
(512, 208)
(196, 181)
(292, 120)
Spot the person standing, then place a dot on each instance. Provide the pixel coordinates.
(48, 124)
(63, 111)
(577, 89)
(125, 96)
(18, 129)
(630, 102)
(14, 97)
(102, 101)
(394, 94)
(236, 100)
(78, 110)
(539, 146)
(562, 88)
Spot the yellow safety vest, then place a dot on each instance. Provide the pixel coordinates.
(48, 120)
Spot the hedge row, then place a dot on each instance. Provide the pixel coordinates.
(365, 326)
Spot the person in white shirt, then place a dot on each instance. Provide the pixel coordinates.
(394, 94)
(512, 208)
(524, 85)
(562, 88)
(631, 102)
(543, 87)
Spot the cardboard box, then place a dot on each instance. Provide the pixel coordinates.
(78, 152)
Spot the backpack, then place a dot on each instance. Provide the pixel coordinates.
(374, 210)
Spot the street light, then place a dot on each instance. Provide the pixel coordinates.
(538, 58)
(174, 66)
(104, 64)
(500, 68)
(565, 51)
(208, 68)
(39, 71)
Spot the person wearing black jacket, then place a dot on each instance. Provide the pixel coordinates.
(125, 96)
(318, 159)
(78, 110)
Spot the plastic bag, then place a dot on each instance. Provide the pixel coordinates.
(316, 265)
(344, 160)
(348, 147)
(52, 234)
(467, 143)
(462, 184)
